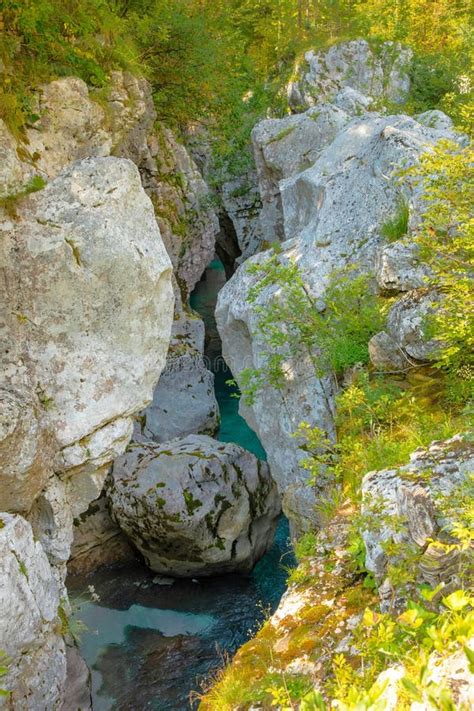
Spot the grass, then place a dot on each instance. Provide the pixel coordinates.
(281, 135)
(397, 226)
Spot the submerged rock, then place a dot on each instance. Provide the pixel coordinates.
(194, 506)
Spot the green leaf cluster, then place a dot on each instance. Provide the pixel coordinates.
(331, 336)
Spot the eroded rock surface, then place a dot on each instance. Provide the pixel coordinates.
(184, 401)
(194, 506)
(87, 310)
(98, 540)
(379, 74)
(415, 505)
(331, 216)
(30, 627)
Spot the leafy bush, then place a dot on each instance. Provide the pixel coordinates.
(446, 242)
(292, 325)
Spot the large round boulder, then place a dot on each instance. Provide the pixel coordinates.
(195, 506)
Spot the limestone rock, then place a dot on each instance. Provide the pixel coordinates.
(385, 353)
(404, 343)
(416, 496)
(13, 173)
(194, 506)
(26, 448)
(184, 401)
(184, 210)
(89, 276)
(452, 672)
(332, 215)
(381, 74)
(97, 540)
(79, 123)
(284, 148)
(77, 695)
(76, 122)
(435, 119)
(71, 127)
(30, 633)
(240, 234)
(52, 522)
(188, 329)
(399, 268)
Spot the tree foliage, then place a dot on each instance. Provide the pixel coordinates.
(221, 61)
(446, 241)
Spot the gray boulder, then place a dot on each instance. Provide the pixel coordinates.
(415, 505)
(194, 506)
(184, 401)
(399, 268)
(404, 344)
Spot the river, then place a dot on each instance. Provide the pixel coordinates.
(150, 645)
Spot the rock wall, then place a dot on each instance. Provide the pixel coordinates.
(328, 182)
(87, 295)
(381, 73)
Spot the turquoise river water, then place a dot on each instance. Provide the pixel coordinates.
(149, 646)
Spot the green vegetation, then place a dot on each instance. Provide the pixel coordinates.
(446, 242)
(397, 226)
(221, 62)
(192, 504)
(292, 325)
(10, 202)
(3, 672)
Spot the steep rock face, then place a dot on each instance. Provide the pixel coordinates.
(86, 320)
(98, 540)
(194, 506)
(332, 215)
(284, 148)
(184, 210)
(30, 627)
(379, 74)
(410, 505)
(76, 122)
(240, 233)
(96, 358)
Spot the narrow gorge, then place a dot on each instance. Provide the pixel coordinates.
(236, 463)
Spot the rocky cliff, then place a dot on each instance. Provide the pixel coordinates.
(328, 181)
(102, 213)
